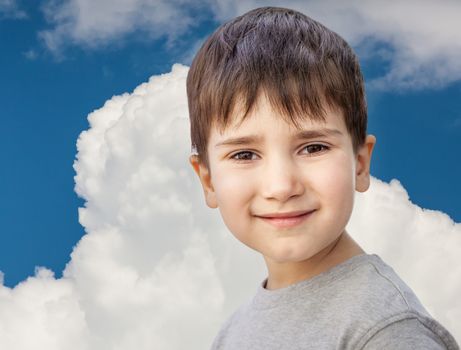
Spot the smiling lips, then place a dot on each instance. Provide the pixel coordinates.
(286, 220)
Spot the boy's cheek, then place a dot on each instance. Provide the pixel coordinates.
(336, 192)
(232, 188)
(336, 175)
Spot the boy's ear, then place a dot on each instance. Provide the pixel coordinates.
(362, 176)
(205, 179)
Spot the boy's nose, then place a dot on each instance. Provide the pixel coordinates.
(281, 180)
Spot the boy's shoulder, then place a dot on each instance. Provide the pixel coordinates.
(349, 305)
(376, 299)
(368, 294)
(367, 284)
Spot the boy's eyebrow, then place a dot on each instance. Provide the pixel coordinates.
(302, 135)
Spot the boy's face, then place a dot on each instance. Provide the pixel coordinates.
(273, 170)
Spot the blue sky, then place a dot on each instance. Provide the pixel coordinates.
(47, 92)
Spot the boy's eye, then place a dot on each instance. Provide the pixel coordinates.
(244, 155)
(249, 155)
(315, 148)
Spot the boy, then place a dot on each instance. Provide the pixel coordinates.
(278, 119)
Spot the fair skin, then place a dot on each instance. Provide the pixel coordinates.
(278, 172)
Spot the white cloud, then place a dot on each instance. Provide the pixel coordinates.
(42, 313)
(10, 9)
(93, 24)
(30, 54)
(157, 269)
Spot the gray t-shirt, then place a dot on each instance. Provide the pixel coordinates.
(358, 304)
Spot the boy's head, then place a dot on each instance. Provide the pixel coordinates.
(278, 119)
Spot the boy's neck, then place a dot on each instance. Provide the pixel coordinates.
(281, 275)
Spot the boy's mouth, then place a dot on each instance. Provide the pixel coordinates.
(286, 220)
(286, 215)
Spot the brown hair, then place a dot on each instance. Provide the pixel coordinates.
(297, 62)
